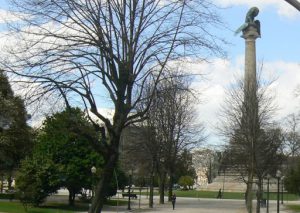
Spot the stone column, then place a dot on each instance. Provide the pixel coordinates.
(250, 123)
(250, 34)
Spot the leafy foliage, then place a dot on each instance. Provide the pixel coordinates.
(291, 181)
(184, 166)
(37, 178)
(62, 157)
(186, 182)
(15, 134)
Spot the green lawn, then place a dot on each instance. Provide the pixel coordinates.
(17, 207)
(295, 208)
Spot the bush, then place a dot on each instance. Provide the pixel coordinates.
(9, 196)
(186, 182)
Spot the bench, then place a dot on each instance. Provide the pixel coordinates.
(263, 203)
(131, 195)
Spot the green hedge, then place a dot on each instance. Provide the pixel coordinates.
(9, 196)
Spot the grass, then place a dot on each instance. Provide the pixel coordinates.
(17, 207)
(295, 208)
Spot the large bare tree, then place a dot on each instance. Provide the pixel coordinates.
(254, 141)
(95, 52)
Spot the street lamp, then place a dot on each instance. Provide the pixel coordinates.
(129, 195)
(282, 187)
(268, 191)
(93, 170)
(151, 190)
(278, 176)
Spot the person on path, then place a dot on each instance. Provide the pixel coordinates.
(173, 199)
(219, 196)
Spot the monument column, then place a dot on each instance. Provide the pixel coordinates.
(250, 34)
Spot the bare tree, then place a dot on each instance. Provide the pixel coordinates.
(206, 160)
(174, 117)
(292, 137)
(252, 150)
(86, 49)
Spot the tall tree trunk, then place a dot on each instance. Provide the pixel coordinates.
(106, 177)
(249, 195)
(151, 185)
(151, 190)
(258, 195)
(71, 197)
(170, 188)
(162, 182)
(2, 180)
(9, 180)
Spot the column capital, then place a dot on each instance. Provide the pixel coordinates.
(251, 32)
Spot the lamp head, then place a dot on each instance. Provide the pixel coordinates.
(278, 174)
(93, 170)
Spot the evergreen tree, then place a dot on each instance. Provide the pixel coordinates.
(15, 134)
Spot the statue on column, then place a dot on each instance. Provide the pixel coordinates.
(250, 21)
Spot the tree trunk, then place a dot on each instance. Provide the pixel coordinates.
(2, 179)
(162, 182)
(258, 195)
(106, 177)
(170, 190)
(9, 181)
(151, 191)
(71, 197)
(249, 196)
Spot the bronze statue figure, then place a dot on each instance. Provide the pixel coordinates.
(251, 14)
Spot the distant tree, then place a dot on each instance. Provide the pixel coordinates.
(172, 117)
(15, 134)
(291, 180)
(186, 182)
(184, 166)
(292, 138)
(255, 143)
(208, 161)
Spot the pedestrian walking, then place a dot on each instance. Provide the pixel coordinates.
(173, 199)
(219, 196)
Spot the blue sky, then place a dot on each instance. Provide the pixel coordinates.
(277, 30)
(278, 48)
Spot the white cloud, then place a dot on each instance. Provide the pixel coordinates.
(283, 8)
(6, 16)
(222, 73)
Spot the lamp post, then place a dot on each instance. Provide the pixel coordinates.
(151, 190)
(278, 176)
(282, 187)
(268, 191)
(93, 170)
(129, 188)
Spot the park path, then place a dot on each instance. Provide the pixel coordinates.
(194, 205)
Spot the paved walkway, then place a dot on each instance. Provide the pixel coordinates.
(194, 205)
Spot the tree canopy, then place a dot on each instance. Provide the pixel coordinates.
(15, 134)
(62, 157)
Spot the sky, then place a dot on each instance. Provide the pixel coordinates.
(278, 49)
